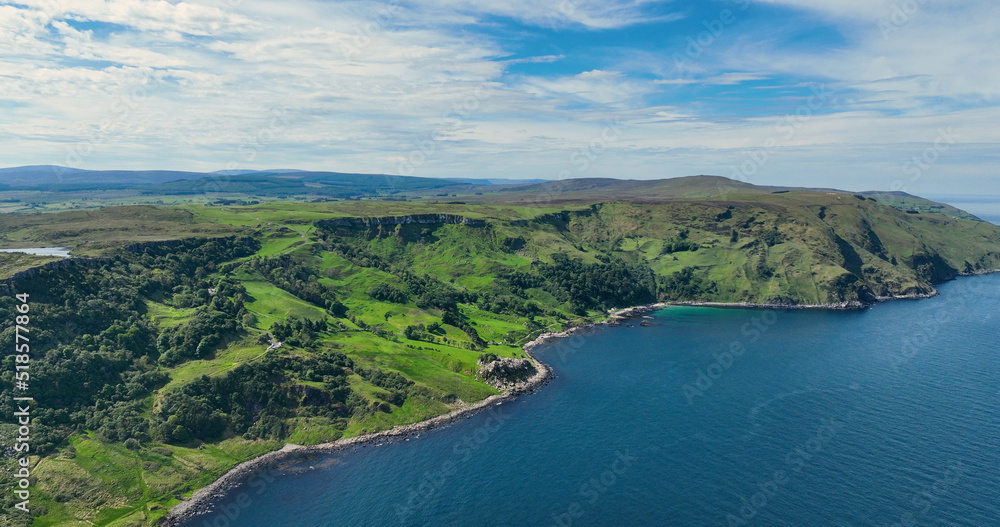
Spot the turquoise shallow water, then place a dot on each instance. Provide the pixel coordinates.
(884, 417)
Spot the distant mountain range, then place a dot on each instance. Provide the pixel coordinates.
(56, 178)
(50, 177)
(71, 183)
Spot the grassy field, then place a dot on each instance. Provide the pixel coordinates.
(92, 482)
(13, 263)
(237, 352)
(272, 304)
(93, 232)
(165, 316)
(735, 242)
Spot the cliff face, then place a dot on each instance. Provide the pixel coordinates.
(65, 263)
(364, 223)
(138, 247)
(792, 248)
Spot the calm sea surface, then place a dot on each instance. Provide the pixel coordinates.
(884, 417)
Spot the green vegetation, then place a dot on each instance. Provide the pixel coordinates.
(205, 335)
(13, 263)
(913, 204)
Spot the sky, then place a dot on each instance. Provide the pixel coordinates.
(852, 94)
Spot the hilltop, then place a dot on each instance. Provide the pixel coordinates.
(157, 366)
(735, 241)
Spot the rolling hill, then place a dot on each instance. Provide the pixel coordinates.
(157, 368)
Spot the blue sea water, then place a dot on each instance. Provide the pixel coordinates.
(888, 416)
(992, 218)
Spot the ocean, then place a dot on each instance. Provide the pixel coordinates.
(889, 416)
(986, 207)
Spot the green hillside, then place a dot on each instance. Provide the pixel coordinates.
(156, 360)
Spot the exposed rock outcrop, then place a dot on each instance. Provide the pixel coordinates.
(364, 223)
(505, 373)
(65, 263)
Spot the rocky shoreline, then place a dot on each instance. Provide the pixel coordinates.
(981, 272)
(203, 501)
(840, 306)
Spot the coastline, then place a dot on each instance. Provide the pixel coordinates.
(202, 501)
(839, 306)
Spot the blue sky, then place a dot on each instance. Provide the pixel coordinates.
(854, 94)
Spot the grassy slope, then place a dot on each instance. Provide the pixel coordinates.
(92, 231)
(91, 482)
(904, 201)
(108, 485)
(13, 263)
(875, 243)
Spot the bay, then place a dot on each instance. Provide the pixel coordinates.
(886, 416)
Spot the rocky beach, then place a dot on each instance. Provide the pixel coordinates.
(203, 502)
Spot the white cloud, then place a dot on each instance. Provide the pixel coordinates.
(357, 86)
(726, 79)
(145, 15)
(536, 60)
(597, 14)
(610, 88)
(942, 41)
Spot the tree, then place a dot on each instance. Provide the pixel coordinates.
(180, 435)
(414, 332)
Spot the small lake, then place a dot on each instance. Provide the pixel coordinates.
(41, 251)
